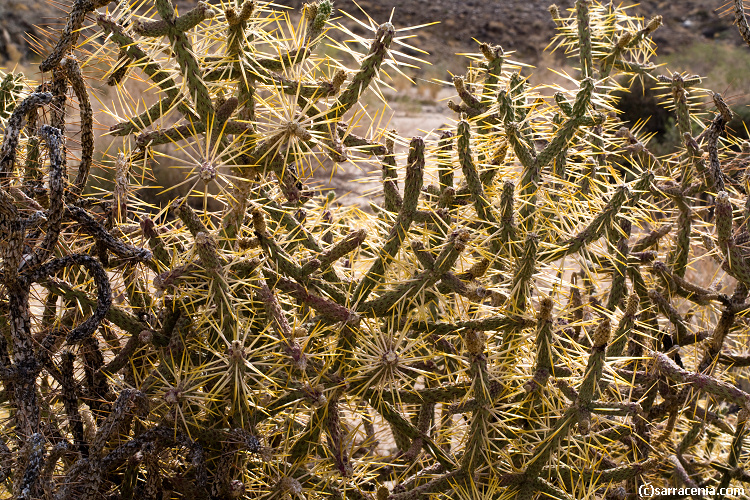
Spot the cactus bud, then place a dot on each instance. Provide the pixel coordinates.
(322, 13)
(742, 416)
(654, 23)
(338, 79)
(554, 11)
(236, 353)
(390, 359)
(545, 309)
(624, 40)
(632, 305)
(602, 333)
(294, 128)
(225, 109)
(309, 11)
(475, 341)
(259, 221)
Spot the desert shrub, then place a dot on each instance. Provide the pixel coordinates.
(541, 307)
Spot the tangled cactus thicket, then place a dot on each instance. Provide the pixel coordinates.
(544, 310)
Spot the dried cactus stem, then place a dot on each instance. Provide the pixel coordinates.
(74, 75)
(71, 403)
(88, 224)
(54, 139)
(718, 388)
(27, 483)
(103, 290)
(71, 32)
(741, 20)
(9, 149)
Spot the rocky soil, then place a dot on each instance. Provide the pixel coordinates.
(523, 26)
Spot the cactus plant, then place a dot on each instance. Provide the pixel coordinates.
(542, 321)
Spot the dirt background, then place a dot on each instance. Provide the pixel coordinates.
(523, 26)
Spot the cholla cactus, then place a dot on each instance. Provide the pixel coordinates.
(541, 320)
